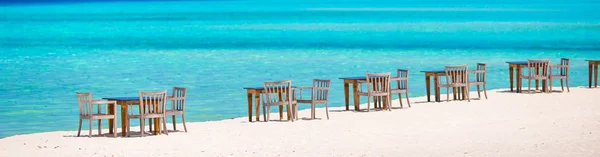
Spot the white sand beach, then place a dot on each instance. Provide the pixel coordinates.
(506, 124)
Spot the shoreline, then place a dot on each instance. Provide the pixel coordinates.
(506, 124)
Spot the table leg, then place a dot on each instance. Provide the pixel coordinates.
(590, 68)
(518, 77)
(257, 104)
(355, 95)
(596, 76)
(123, 117)
(280, 108)
(537, 82)
(156, 122)
(111, 111)
(249, 107)
(346, 96)
(510, 76)
(436, 91)
(464, 93)
(427, 87)
(454, 90)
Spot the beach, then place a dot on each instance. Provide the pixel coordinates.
(506, 124)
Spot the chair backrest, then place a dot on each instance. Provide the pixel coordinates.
(320, 89)
(380, 83)
(457, 74)
(273, 91)
(538, 68)
(84, 101)
(155, 101)
(480, 76)
(564, 71)
(178, 100)
(403, 84)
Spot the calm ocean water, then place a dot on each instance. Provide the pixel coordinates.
(215, 48)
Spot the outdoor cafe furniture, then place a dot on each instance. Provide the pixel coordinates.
(151, 105)
(177, 99)
(378, 85)
(537, 70)
(319, 95)
(272, 96)
(457, 77)
(593, 67)
(560, 72)
(480, 79)
(254, 98)
(401, 86)
(86, 111)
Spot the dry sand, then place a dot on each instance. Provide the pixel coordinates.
(506, 124)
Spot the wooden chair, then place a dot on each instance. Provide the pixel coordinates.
(378, 85)
(151, 105)
(536, 70)
(562, 70)
(319, 95)
(480, 79)
(177, 106)
(86, 107)
(456, 77)
(402, 86)
(278, 93)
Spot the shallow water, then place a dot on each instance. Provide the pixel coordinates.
(215, 48)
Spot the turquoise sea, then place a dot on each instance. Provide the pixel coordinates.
(49, 51)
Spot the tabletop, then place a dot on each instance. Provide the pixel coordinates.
(593, 60)
(517, 62)
(261, 88)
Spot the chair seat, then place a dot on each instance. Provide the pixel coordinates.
(99, 116)
(453, 85)
(174, 112)
(311, 101)
(534, 77)
(279, 103)
(373, 93)
(145, 116)
(558, 76)
(476, 83)
(396, 91)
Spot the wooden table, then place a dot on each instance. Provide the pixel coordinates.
(514, 71)
(354, 81)
(123, 101)
(435, 74)
(254, 92)
(593, 66)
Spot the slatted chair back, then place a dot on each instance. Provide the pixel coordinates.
(84, 101)
(564, 70)
(275, 89)
(403, 81)
(457, 75)
(538, 68)
(153, 102)
(380, 83)
(320, 89)
(178, 100)
(481, 71)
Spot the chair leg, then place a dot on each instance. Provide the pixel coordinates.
(290, 109)
(467, 93)
(115, 127)
(142, 126)
(99, 126)
(312, 111)
(448, 94)
(295, 107)
(399, 100)
(369, 103)
(407, 101)
(174, 122)
(561, 85)
(567, 83)
(150, 124)
(327, 110)
(264, 113)
(79, 129)
(389, 102)
(484, 91)
(90, 133)
(529, 86)
(183, 122)
(128, 127)
(549, 86)
(478, 92)
(164, 120)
